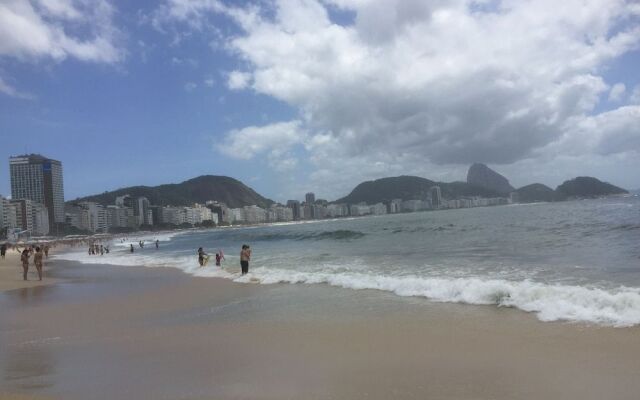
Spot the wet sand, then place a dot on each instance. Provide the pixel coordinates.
(138, 333)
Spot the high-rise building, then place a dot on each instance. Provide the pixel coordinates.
(140, 206)
(24, 214)
(436, 197)
(221, 210)
(310, 198)
(395, 206)
(294, 205)
(40, 216)
(88, 216)
(37, 178)
(8, 215)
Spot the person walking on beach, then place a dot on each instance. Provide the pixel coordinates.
(245, 257)
(37, 261)
(24, 257)
(46, 250)
(132, 250)
(3, 250)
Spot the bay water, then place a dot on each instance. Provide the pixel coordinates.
(573, 261)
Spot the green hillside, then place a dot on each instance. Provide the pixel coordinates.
(409, 188)
(197, 190)
(586, 187)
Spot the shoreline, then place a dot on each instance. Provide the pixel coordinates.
(537, 299)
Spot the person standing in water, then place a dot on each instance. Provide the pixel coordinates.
(132, 249)
(24, 258)
(245, 257)
(37, 261)
(157, 244)
(219, 258)
(201, 256)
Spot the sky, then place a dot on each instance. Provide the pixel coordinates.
(291, 96)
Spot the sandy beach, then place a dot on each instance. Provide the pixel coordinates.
(11, 273)
(106, 332)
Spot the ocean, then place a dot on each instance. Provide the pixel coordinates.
(576, 261)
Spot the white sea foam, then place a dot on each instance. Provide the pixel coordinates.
(550, 302)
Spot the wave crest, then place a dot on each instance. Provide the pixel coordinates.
(618, 308)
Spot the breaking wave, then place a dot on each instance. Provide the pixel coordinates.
(254, 236)
(550, 302)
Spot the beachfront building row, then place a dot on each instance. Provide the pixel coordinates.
(23, 218)
(257, 215)
(318, 209)
(195, 215)
(132, 214)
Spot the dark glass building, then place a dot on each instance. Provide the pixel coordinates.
(37, 178)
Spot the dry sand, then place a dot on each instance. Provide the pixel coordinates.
(11, 273)
(135, 333)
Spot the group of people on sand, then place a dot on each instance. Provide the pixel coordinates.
(38, 254)
(245, 257)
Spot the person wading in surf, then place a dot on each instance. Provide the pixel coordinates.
(245, 257)
(201, 256)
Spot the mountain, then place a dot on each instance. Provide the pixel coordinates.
(483, 176)
(409, 188)
(535, 192)
(197, 190)
(586, 187)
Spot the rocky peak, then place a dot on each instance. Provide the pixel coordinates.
(483, 176)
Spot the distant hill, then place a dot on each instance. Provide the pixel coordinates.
(409, 188)
(483, 176)
(535, 192)
(586, 187)
(197, 190)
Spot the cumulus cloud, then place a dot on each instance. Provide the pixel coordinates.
(31, 31)
(617, 91)
(276, 140)
(238, 80)
(34, 30)
(635, 95)
(413, 83)
(13, 92)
